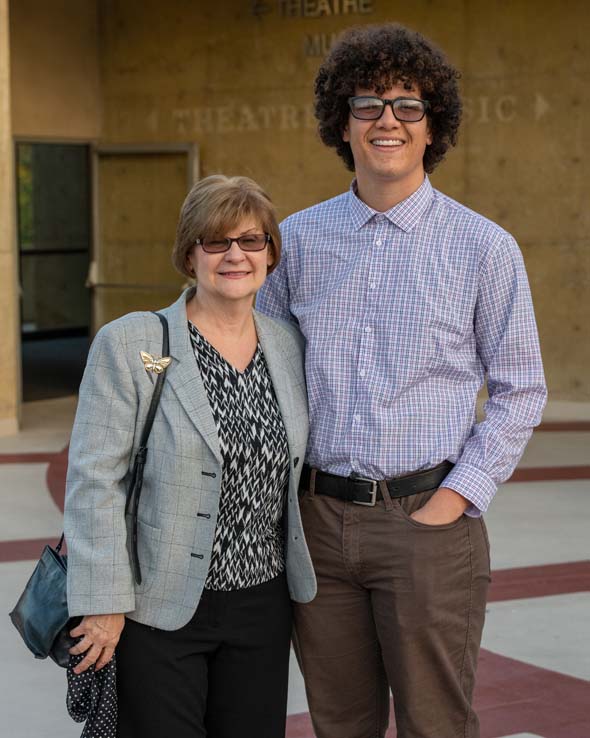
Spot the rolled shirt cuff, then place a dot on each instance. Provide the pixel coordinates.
(474, 485)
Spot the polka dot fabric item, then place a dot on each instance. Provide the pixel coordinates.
(92, 697)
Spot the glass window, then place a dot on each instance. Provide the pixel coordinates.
(54, 233)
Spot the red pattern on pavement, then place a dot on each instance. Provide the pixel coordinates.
(28, 549)
(514, 697)
(33, 458)
(511, 696)
(539, 581)
(550, 474)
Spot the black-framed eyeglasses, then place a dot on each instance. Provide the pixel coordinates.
(405, 109)
(249, 242)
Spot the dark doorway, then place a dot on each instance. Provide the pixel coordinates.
(54, 235)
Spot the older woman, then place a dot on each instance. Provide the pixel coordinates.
(203, 641)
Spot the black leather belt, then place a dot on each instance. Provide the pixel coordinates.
(363, 491)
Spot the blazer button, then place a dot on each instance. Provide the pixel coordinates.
(295, 461)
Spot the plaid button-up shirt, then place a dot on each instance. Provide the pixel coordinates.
(405, 313)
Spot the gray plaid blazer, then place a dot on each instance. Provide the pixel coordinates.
(180, 496)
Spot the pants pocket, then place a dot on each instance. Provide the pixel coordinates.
(408, 505)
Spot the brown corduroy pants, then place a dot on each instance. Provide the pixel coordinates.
(400, 605)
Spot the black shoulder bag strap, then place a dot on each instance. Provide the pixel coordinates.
(136, 483)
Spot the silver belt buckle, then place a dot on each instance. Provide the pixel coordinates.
(373, 492)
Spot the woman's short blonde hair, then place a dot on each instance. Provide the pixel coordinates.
(217, 204)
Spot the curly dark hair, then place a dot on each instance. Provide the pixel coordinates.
(377, 57)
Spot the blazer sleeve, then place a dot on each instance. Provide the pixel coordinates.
(99, 573)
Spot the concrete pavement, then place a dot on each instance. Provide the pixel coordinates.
(534, 675)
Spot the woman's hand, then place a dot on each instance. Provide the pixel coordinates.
(101, 634)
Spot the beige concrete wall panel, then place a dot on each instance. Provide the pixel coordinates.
(522, 38)
(560, 282)
(55, 72)
(145, 44)
(240, 85)
(449, 176)
(10, 324)
(525, 141)
(10, 388)
(241, 45)
(236, 77)
(227, 65)
(140, 198)
(521, 169)
(116, 302)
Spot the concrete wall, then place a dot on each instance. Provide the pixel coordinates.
(526, 161)
(139, 196)
(54, 58)
(236, 77)
(49, 90)
(10, 385)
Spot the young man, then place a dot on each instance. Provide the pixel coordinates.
(408, 301)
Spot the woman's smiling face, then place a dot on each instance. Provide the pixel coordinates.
(233, 274)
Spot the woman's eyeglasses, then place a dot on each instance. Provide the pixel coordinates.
(249, 242)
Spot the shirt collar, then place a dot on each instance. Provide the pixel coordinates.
(404, 215)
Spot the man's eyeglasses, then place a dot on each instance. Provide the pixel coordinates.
(405, 109)
(250, 242)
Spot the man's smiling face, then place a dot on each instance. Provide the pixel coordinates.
(387, 151)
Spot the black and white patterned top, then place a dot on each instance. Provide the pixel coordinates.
(248, 546)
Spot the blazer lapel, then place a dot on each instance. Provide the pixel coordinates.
(184, 377)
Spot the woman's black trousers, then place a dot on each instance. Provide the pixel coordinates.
(223, 675)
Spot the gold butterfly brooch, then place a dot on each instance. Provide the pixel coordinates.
(156, 364)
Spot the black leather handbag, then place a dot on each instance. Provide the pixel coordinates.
(41, 613)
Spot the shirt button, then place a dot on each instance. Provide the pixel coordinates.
(362, 373)
(357, 418)
(378, 242)
(368, 329)
(372, 285)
